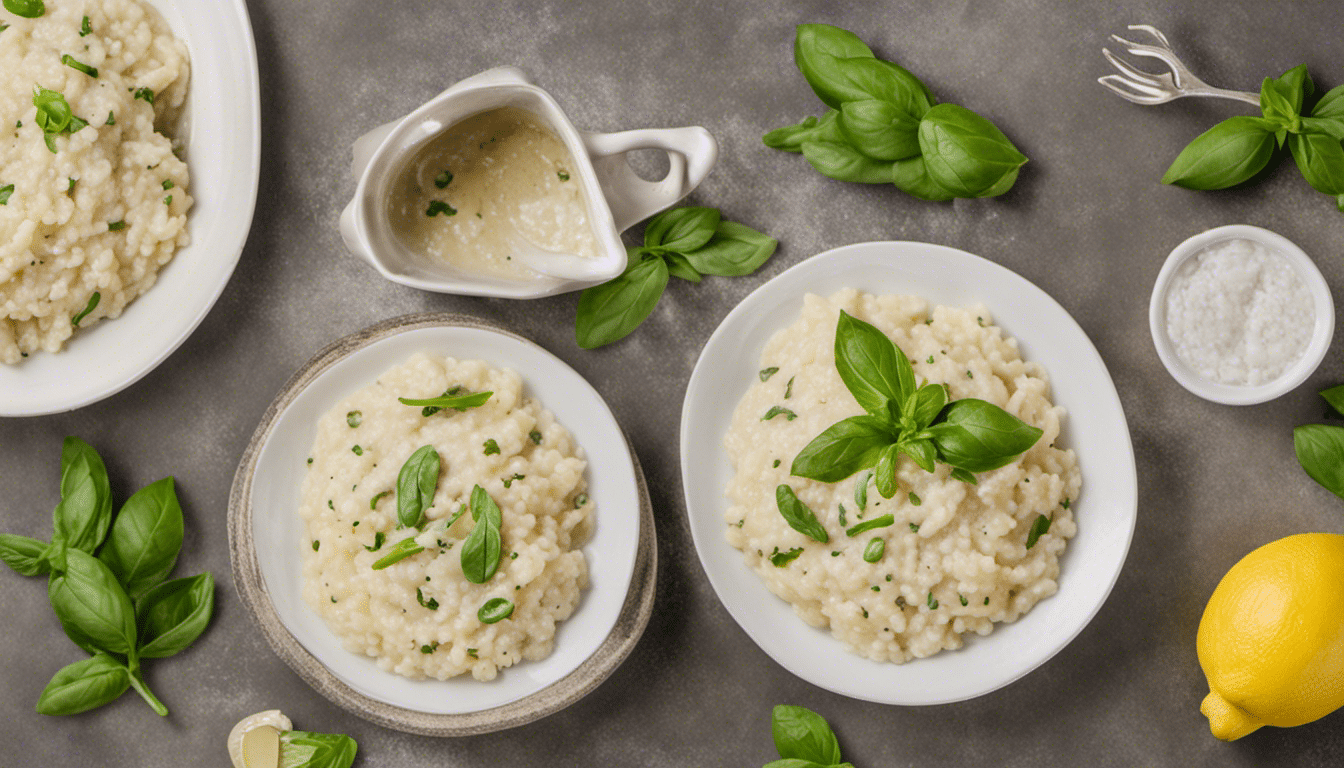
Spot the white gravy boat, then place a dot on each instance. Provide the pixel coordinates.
(614, 196)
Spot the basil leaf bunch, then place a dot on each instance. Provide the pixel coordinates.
(1240, 147)
(685, 242)
(1320, 447)
(108, 583)
(970, 435)
(803, 739)
(54, 116)
(886, 127)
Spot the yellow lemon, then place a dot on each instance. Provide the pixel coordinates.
(1271, 641)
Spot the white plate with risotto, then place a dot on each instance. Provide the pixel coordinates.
(968, 589)
(215, 129)
(428, 639)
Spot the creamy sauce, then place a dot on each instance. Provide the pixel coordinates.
(1238, 313)
(493, 177)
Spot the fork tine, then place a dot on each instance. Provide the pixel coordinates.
(1137, 75)
(1134, 92)
(1153, 52)
(1154, 31)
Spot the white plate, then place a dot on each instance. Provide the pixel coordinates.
(266, 502)
(223, 153)
(1095, 428)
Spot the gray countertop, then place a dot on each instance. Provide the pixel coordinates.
(1088, 222)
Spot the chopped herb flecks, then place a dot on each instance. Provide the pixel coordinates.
(443, 179)
(93, 302)
(437, 207)
(766, 373)
(491, 447)
(70, 62)
(775, 410)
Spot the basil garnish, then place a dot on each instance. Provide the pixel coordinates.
(1039, 527)
(490, 447)
(798, 516)
(28, 9)
(873, 552)
(443, 179)
(93, 304)
(766, 373)
(868, 525)
(437, 207)
(495, 609)
(72, 63)
(145, 94)
(453, 401)
(781, 559)
(354, 418)
(416, 482)
(399, 551)
(803, 738)
(5, 192)
(970, 435)
(85, 28)
(378, 538)
(430, 604)
(484, 545)
(775, 410)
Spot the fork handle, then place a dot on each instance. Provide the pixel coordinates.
(1222, 93)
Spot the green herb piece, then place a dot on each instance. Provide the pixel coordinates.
(330, 504)
(378, 539)
(966, 154)
(437, 207)
(168, 184)
(1227, 154)
(580, 500)
(494, 610)
(610, 311)
(766, 373)
(798, 516)
(1320, 451)
(986, 601)
(781, 559)
(1064, 503)
(302, 749)
(868, 525)
(116, 226)
(70, 62)
(563, 176)
(842, 516)
(483, 546)
(358, 452)
(84, 685)
(775, 410)
(85, 29)
(933, 604)
(28, 9)
(93, 304)
(430, 648)
(145, 94)
(111, 118)
(316, 544)
(491, 447)
(508, 482)
(454, 401)
(173, 614)
(416, 482)
(399, 551)
(431, 603)
(962, 597)
(803, 738)
(5, 192)
(535, 437)
(443, 179)
(1039, 527)
(471, 652)
(914, 499)
(776, 464)
(27, 556)
(873, 552)
(788, 388)
(914, 527)
(70, 185)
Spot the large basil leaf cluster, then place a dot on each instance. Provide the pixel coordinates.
(886, 127)
(902, 417)
(108, 583)
(682, 242)
(1240, 147)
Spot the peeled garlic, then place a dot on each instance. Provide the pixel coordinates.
(247, 752)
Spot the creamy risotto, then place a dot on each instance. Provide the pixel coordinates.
(421, 616)
(93, 202)
(493, 177)
(956, 560)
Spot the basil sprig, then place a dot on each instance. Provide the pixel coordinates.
(682, 242)
(483, 546)
(116, 605)
(54, 116)
(886, 127)
(970, 435)
(1320, 447)
(1238, 148)
(803, 739)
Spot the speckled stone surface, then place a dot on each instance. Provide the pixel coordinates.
(1088, 222)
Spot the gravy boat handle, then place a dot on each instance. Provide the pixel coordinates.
(691, 153)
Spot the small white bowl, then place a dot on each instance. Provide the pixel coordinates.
(1233, 394)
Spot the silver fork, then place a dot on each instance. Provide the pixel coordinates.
(1146, 88)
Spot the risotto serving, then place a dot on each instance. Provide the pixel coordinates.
(93, 202)
(442, 539)
(953, 557)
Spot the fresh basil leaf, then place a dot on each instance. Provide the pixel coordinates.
(681, 229)
(922, 452)
(791, 138)
(978, 436)
(82, 518)
(145, 539)
(172, 615)
(874, 79)
(1320, 158)
(1320, 451)
(84, 685)
(303, 749)
(1335, 397)
(456, 402)
(1277, 108)
(1331, 104)
(964, 153)
(869, 525)
(398, 552)
(801, 734)
(1295, 85)
(929, 401)
(816, 49)
(1330, 126)
(845, 447)
(797, 514)
(483, 546)
(873, 368)
(679, 266)
(496, 609)
(844, 163)
(610, 311)
(28, 9)
(735, 250)
(964, 476)
(26, 556)
(1039, 527)
(874, 550)
(482, 504)
(885, 472)
(861, 490)
(1227, 154)
(911, 176)
(793, 762)
(781, 559)
(416, 482)
(879, 129)
(92, 607)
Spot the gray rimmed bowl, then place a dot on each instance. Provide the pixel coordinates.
(265, 535)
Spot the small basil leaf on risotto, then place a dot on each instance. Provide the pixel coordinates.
(92, 305)
(483, 546)
(781, 559)
(399, 551)
(797, 514)
(874, 551)
(416, 482)
(28, 9)
(1039, 527)
(885, 473)
(455, 401)
(978, 436)
(495, 609)
(868, 525)
(801, 734)
(873, 368)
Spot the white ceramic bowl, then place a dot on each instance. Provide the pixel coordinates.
(1095, 428)
(1232, 394)
(223, 153)
(266, 535)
